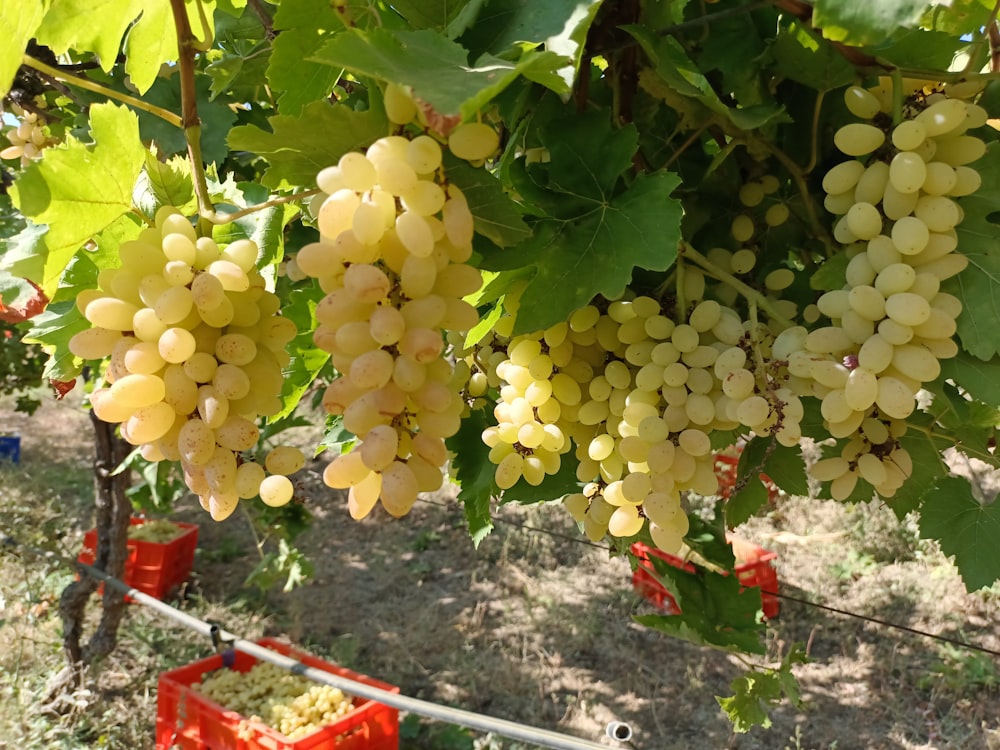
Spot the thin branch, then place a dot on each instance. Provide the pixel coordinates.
(217, 217)
(265, 20)
(983, 39)
(748, 292)
(86, 83)
(189, 105)
(814, 136)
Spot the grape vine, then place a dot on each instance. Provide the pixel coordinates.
(568, 255)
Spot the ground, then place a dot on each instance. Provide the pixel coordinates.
(532, 627)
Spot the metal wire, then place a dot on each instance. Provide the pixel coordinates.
(481, 722)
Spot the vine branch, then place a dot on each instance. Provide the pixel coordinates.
(85, 83)
(751, 294)
(189, 106)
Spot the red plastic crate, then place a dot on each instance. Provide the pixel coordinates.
(753, 568)
(152, 568)
(187, 720)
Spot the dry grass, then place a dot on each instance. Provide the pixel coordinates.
(529, 627)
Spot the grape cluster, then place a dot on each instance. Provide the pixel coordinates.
(267, 694)
(890, 324)
(636, 396)
(27, 138)
(160, 531)
(196, 349)
(395, 239)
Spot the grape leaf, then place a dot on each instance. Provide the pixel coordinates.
(679, 75)
(861, 22)
(560, 25)
(925, 448)
(473, 471)
(497, 216)
(714, 609)
(435, 69)
(981, 379)
(801, 57)
(299, 147)
(305, 26)
(18, 21)
(597, 234)
(918, 48)
(757, 688)
(216, 119)
(265, 226)
(979, 285)
(165, 184)
(98, 26)
(958, 17)
(553, 487)
(741, 505)
(53, 328)
(79, 190)
(965, 529)
(307, 360)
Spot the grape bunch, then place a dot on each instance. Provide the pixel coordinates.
(395, 238)
(636, 396)
(286, 702)
(890, 323)
(27, 138)
(196, 349)
(159, 531)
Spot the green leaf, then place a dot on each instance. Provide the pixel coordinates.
(741, 505)
(830, 275)
(53, 328)
(299, 147)
(435, 69)
(981, 379)
(497, 216)
(800, 56)
(561, 25)
(307, 360)
(472, 469)
(18, 21)
(958, 17)
(305, 26)
(918, 48)
(165, 184)
(671, 64)
(265, 226)
(714, 609)
(98, 26)
(979, 239)
(216, 119)
(78, 190)
(752, 692)
(553, 487)
(965, 528)
(861, 22)
(757, 689)
(925, 448)
(429, 14)
(600, 234)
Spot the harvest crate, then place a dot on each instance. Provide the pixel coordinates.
(187, 720)
(753, 568)
(10, 448)
(152, 568)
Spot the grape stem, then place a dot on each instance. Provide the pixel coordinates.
(897, 97)
(87, 84)
(751, 294)
(216, 217)
(798, 175)
(189, 111)
(679, 285)
(814, 135)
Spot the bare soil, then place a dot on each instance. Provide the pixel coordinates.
(536, 626)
